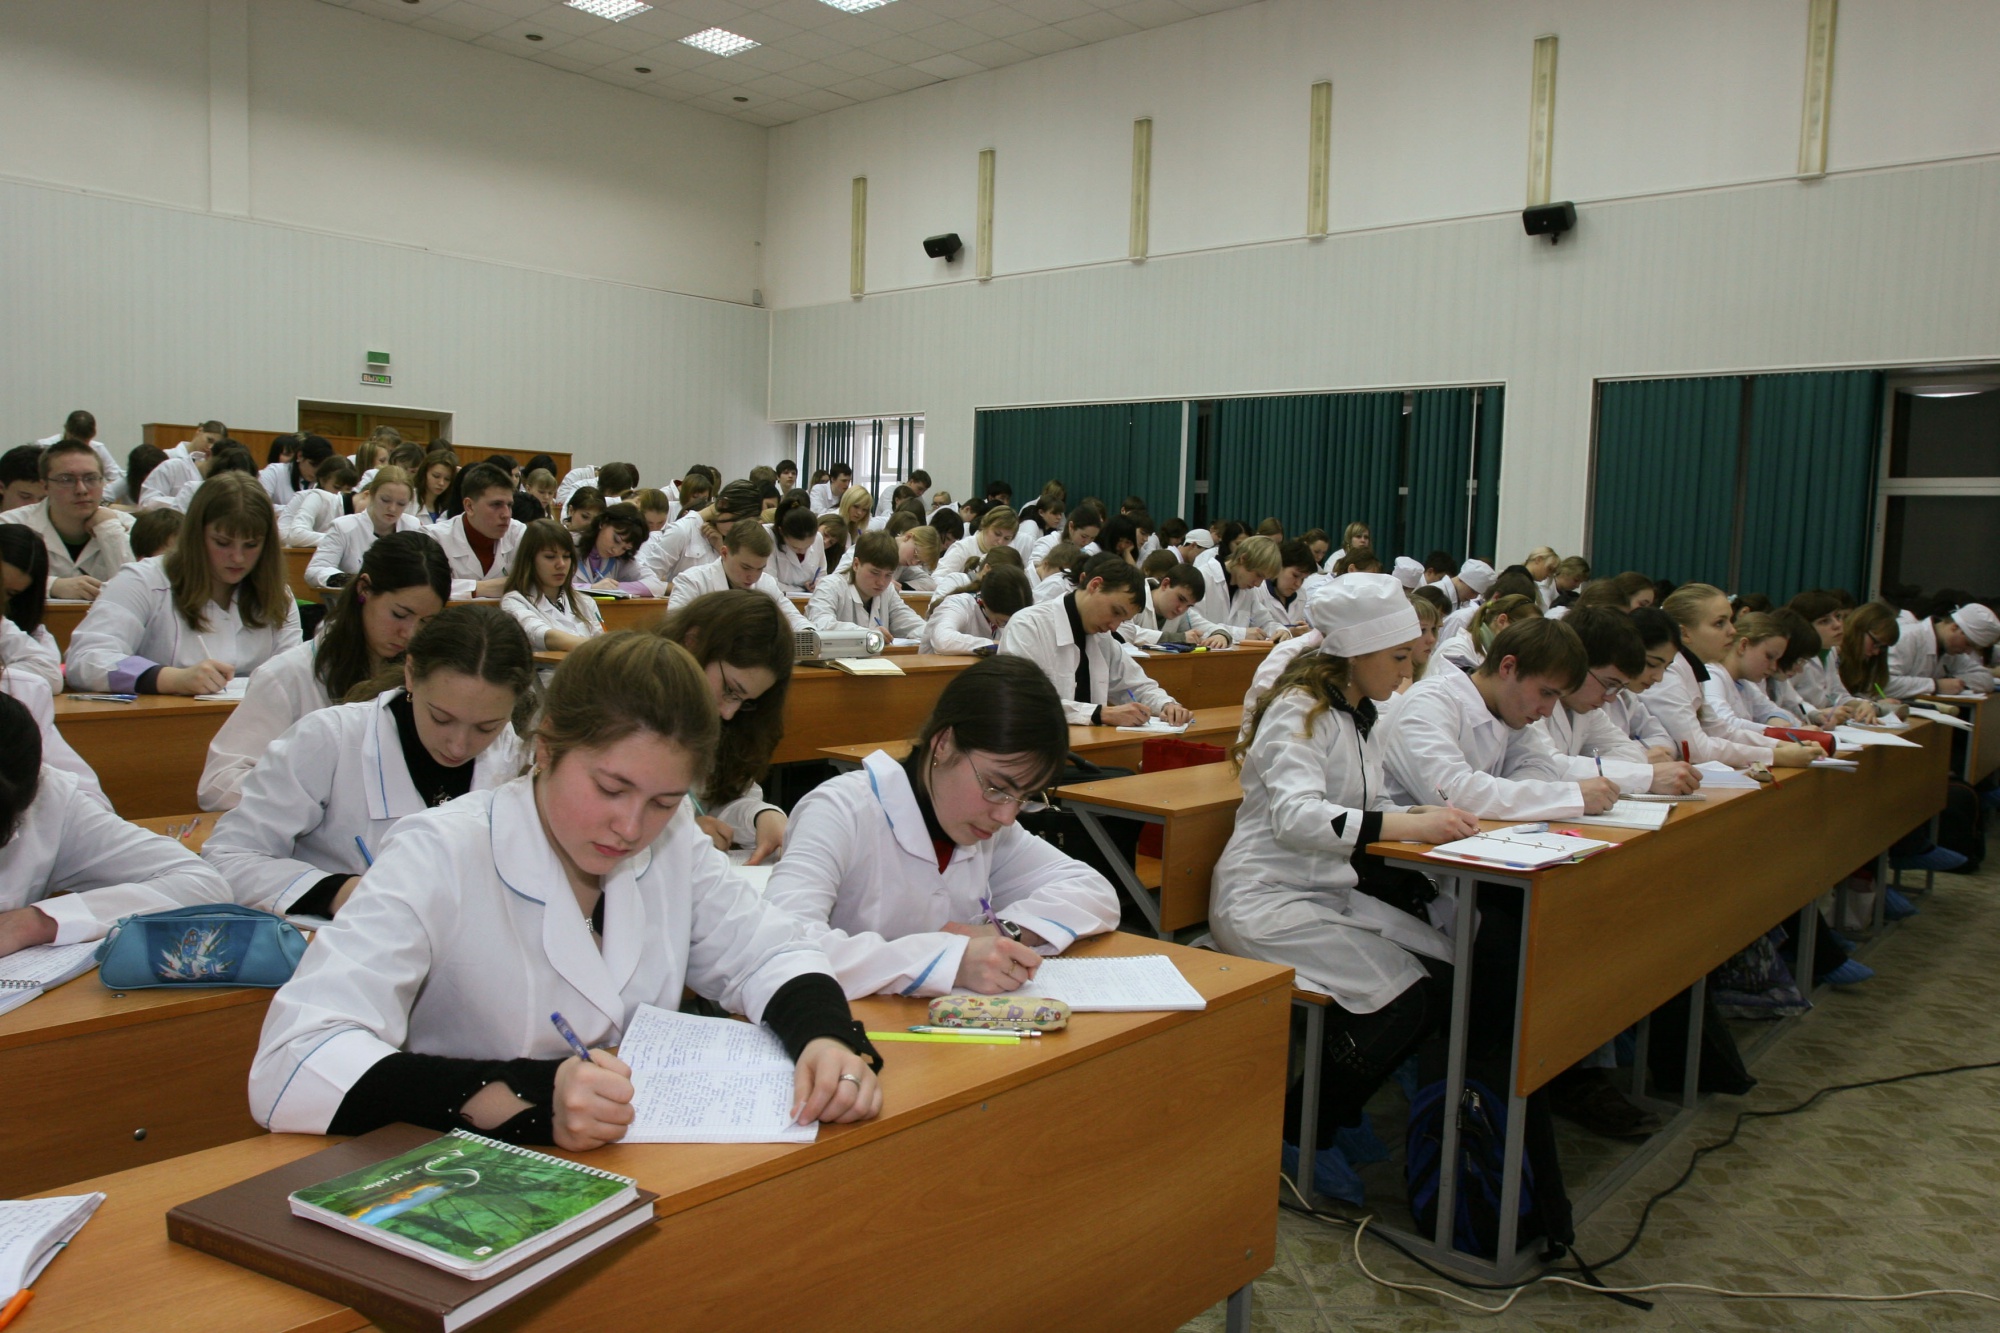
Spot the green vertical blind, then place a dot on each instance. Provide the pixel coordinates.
(1809, 489)
(1492, 407)
(827, 443)
(1109, 450)
(1665, 498)
(1753, 483)
(1439, 468)
(1308, 460)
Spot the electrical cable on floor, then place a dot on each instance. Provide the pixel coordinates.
(1628, 1295)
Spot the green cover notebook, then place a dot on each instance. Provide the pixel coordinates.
(465, 1203)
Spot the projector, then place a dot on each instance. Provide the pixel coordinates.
(824, 645)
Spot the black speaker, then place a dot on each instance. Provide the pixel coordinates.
(945, 247)
(1550, 220)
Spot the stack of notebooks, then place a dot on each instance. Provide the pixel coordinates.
(413, 1229)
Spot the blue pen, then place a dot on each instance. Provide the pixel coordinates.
(364, 850)
(569, 1035)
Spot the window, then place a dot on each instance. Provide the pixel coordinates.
(1939, 521)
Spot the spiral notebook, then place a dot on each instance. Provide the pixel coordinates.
(1114, 985)
(42, 967)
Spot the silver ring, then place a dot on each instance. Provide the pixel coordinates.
(849, 1078)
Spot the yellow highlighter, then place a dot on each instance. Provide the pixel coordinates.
(967, 1039)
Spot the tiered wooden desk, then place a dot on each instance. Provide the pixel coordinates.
(61, 620)
(148, 754)
(1152, 1139)
(1196, 808)
(1100, 745)
(1982, 747)
(1609, 939)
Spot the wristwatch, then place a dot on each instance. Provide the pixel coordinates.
(1010, 929)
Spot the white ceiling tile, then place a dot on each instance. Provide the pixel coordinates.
(948, 66)
(520, 9)
(775, 85)
(1000, 21)
(1152, 13)
(863, 90)
(626, 38)
(957, 9)
(849, 29)
(1055, 11)
(906, 16)
(557, 60)
(561, 18)
(674, 55)
(806, 14)
(1045, 41)
(1214, 6)
(1097, 27)
(731, 74)
(467, 14)
(820, 99)
(514, 37)
(690, 83)
(903, 50)
(818, 74)
(769, 59)
(393, 10)
(995, 54)
(621, 75)
(764, 29)
(813, 45)
(709, 13)
(902, 78)
(764, 118)
(447, 27)
(592, 53)
(858, 62)
(950, 36)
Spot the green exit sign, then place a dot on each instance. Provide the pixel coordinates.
(378, 358)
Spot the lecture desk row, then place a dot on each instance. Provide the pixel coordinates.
(842, 1233)
(149, 753)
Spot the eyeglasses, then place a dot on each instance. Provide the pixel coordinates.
(74, 481)
(1610, 687)
(735, 694)
(1031, 804)
(1877, 640)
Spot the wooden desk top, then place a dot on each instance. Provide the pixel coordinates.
(69, 708)
(1173, 792)
(122, 1273)
(87, 1005)
(1208, 723)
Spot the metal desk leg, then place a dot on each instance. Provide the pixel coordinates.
(1882, 873)
(1642, 1046)
(1517, 1106)
(1465, 890)
(1808, 946)
(1691, 1071)
(1128, 879)
(1309, 1102)
(1236, 1315)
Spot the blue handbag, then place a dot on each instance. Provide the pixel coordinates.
(211, 944)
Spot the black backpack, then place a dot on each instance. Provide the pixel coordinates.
(1962, 826)
(1482, 1143)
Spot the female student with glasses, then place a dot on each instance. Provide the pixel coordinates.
(916, 879)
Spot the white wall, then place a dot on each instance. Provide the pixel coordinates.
(560, 263)
(1668, 117)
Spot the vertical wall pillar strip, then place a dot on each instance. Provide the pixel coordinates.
(857, 259)
(1142, 184)
(982, 232)
(229, 107)
(1542, 121)
(1819, 88)
(1319, 159)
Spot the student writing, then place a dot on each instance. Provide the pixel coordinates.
(866, 593)
(1700, 613)
(1072, 640)
(1588, 737)
(541, 594)
(972, 621)
(348, 538)
(480, 542)
(746, 554)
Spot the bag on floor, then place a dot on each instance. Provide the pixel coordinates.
(1482, 1144)
(1962, 826)
(1156, 756)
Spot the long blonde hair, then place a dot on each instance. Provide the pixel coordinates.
(236, 504)
(1322, 676)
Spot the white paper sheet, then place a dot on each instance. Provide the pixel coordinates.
(1848, 738)
(1154, 726)
(33, 1231)
(1722, 777)
(49, 964)
(1628, 814)
(708, 1080)
(1933, 715)
(1114, 985)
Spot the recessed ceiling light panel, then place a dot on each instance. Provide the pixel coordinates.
(855, 6)
(719, 42)
(615, 10)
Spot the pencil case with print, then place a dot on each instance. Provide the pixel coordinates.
(209, 944)
(996, 1011)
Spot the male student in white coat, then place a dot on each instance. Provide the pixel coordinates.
(1587, 741)
(86, 542)
(745, 553)
(480, 542)
(82, 426)
(1943, 655)
(1464, 739)
(1170, 613)
(1071, 639)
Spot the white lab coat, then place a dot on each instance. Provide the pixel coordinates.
(797, 573)
(1043, 634)
(465, 937)
(1678, 705)
(711, 577)
(1026, 536)
(1459, 649)
(673, 550)
(309, 514)
(958, 624)
(572, 481)
(336, 775)
(277, 479)
(1243, 608)
(538, 615)
(1746, 708)
(1190, 626)
(824, 501)
(1444, 742)
(1275, 664)
(279, 695)
(1582, 741)
(465, 568)
(838, 602)
(133, 626)
(33, 693)
(860, 873)
(1284, 887)
(165, 482)
(104, 868)
(108, 550)
(1916, 665)
(951, 573)
(1055, 586)
(346, 541)
(35, 653)
(1636, 722)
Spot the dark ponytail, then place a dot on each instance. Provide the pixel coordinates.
(20, 764)
(400, 560)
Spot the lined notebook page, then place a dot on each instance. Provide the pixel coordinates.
(33, 1231)
(1114, 985)
(1628, 814)
(708, 1080)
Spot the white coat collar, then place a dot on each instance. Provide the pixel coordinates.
(1461, 683)
(391, 793)
(527, 864)
(891, 784)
